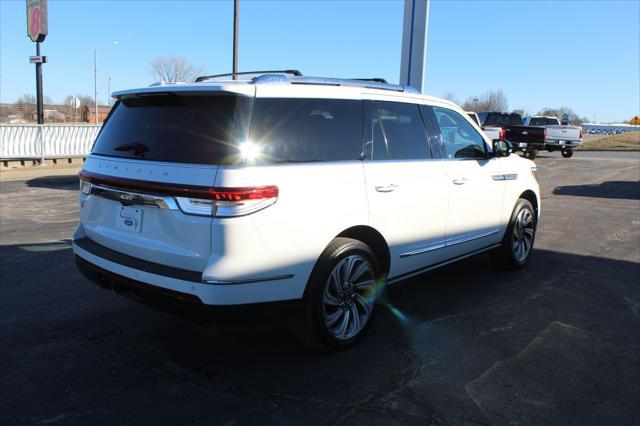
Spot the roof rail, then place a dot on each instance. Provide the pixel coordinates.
(374, 79)
(207, 77)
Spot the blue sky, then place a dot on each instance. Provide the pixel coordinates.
(581, 54)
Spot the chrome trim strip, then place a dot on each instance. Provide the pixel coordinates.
(437, 265)
(128, 197)
(511, 176)
(448, 244)
(423, 250)
(497, 177)
(471, 238)
(249, 280)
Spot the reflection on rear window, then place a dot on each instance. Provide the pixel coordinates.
(506, 119)
(543, 121)
(174, 128)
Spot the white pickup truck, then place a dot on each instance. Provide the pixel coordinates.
(558, 137)
(492, 131)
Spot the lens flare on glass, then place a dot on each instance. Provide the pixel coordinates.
(249, 150)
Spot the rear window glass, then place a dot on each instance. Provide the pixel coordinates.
(304, 130)
(543, 121)
(175, 128)
(503, 119)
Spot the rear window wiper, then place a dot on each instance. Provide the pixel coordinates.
(139, 149)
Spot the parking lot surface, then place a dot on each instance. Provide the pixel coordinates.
(555, 343)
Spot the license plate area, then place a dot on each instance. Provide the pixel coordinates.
(129, 218)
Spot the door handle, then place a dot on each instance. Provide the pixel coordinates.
(460, 181)
(387, 188)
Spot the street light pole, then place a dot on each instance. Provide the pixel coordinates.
(109, 91)
(95, 81)
(236, 10)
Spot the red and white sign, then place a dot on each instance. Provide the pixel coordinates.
(37, 20)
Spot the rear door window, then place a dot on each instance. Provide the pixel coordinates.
(404, 130)
(181, 128)
(306, 130)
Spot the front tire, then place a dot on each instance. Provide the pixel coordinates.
(517, 244)
(340, 300)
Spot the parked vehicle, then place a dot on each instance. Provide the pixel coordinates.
(491, 131)
(305, 194)
(527, 139)
(558, 137)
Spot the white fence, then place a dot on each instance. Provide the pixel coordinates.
(46, 140)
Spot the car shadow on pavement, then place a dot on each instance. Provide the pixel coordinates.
(623, 190)
(54, 182)
(564, 322)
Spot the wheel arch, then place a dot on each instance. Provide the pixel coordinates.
(531, 196)
(374, 240)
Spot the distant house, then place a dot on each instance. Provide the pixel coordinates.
(88, 114)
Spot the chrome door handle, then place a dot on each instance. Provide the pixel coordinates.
(387, 188)
(460, 181)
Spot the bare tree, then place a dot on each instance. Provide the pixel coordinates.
(493, 100)
(172, 69)
(26, 104)
(574, 119)
(450, 96)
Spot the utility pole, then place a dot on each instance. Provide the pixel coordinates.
(95, 81)
(236, 10)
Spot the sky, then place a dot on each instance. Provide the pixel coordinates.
(580, 54)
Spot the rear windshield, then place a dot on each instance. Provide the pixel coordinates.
(182, 128)
(543, 121)
(503, 119)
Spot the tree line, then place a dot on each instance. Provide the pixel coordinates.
(496, 100)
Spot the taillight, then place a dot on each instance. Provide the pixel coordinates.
(503, 133)
(545, 133)
(230, 202)
(581, 133)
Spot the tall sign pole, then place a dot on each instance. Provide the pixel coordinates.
(37, 30)
(95, 82)
(236, 11)
(414, 43)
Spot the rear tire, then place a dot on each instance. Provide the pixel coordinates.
(517, 244)
(531, 155)
(567, 153)
(339, 302)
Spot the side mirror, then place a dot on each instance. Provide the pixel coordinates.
(502, 148)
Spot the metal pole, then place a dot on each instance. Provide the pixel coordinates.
(414, 43)
(39, 103)
(95, 81)
(236, 10)
(109, 91)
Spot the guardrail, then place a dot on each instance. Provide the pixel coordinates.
(40, 141)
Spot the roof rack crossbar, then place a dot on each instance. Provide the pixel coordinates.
(207, 77)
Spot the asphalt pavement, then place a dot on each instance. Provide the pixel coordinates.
(555, 343)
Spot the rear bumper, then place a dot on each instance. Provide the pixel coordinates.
(122, 272)
(557, 143)
(527, 146)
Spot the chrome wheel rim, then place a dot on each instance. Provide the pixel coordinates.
(348, 297)
(522, 235)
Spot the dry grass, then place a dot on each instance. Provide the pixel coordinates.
(629, 141)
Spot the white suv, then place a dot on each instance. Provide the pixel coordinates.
(317, 192)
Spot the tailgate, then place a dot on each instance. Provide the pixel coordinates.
(136, 222)
(563, 133)
(525, 134)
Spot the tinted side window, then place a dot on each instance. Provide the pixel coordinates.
(375, 146)
(404, 130)
(302, 130)
(460, 139)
